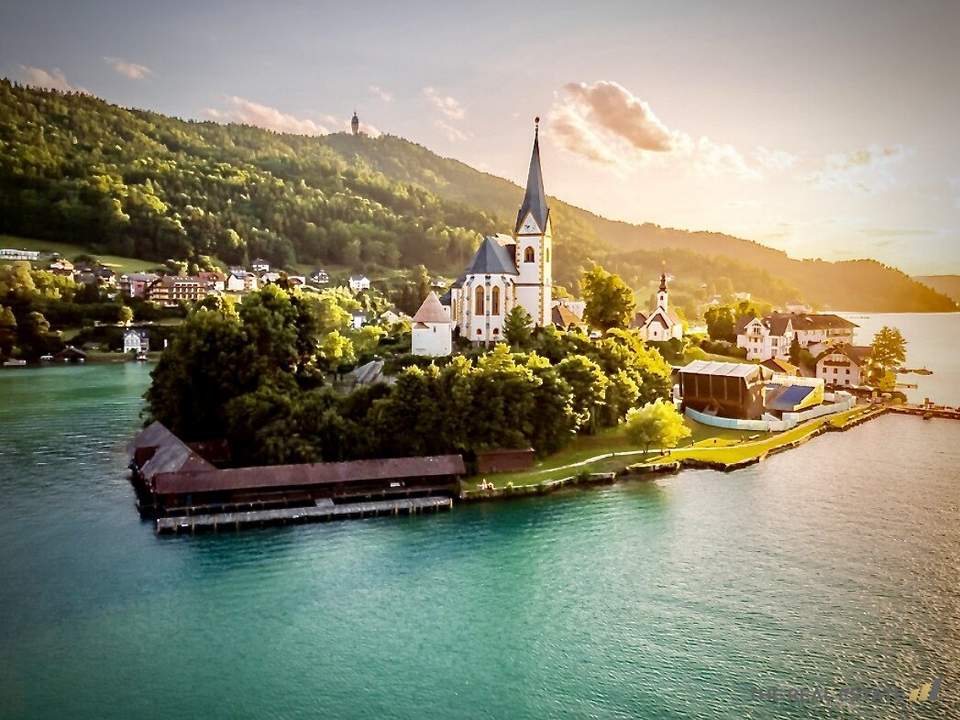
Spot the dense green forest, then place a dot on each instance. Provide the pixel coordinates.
(74, 168)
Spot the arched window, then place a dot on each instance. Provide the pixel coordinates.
(495, 301)
(528, 255)
(548, 255)
(478, 302)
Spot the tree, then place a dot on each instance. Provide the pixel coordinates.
(125, 315)
(517, 328)
(8, 330)
(889, 350)
(657, 423)
(609, 301)
(796, 351)
(720, 323)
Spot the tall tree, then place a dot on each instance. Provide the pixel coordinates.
(656, 424)
(609, 300)
(518, 328)
(889, 350)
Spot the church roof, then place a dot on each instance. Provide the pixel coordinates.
(431, 311)
(534, 200)
(492, 258)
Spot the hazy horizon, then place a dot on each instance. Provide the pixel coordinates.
(823, 130)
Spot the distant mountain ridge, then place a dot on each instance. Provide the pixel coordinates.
(138, 183)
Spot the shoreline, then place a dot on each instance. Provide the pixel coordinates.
(653, 469)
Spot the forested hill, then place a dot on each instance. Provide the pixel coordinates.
(77, 169)
(949, 285)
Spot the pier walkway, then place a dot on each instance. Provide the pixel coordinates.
(320, 512)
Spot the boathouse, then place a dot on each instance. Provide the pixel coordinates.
(171, 479)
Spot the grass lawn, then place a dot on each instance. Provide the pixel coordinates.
(115, 262)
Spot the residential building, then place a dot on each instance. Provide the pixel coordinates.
(844, 365)
(432, 329)
(135, 284)
(779, 365)
(358, 319)
(62, 267)
(319, 277)
(662, 323)
(765, 338)
(358, 283)
(816, 331)
(15, 254)
(216, 278)
(171, 290)
(136, 341)
(564, 318)
(241, 281)
(509, 270)
(259, 265)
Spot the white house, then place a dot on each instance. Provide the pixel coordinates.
(319, 277)
(508, 270)
(136, 341)
(432, 331)
(815, 331)
(241, 281)
(765, 338)
(359, 282)
(259, 265)
(844, 365)
(663, 323)
(358, 319)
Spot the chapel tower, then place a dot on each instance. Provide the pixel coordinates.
(533, 236)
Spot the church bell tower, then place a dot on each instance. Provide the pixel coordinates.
(533, 236)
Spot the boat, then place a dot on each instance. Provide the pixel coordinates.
(142, 356)
(14, 362)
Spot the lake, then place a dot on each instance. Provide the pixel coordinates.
(829, 570)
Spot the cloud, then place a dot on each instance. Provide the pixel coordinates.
(868, 170)
(452, 133)
(128, 69)
(379, 92)
(52, 79)
(606, 123)
(449, 106)
(248, 112)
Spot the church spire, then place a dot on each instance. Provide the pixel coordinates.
(534, 200)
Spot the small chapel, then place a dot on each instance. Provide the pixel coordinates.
(662, 323)
(508, 270)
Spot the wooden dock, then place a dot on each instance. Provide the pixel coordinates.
(318, 513)
(927, 411)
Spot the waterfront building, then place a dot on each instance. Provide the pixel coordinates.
(765, 338)
(816, 331)
(730, 390)
(509, 270)
(844, 365)
(662, 323)
(170, 290)
(136, 341)
(432, 329)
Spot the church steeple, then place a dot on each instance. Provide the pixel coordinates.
(534, 200)
(662, 292)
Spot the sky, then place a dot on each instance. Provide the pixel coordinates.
(825, 129)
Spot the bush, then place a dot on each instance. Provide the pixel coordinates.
(722, 347)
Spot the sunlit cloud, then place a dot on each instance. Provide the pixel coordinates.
(379, 92)
(867, 170)
(53, 79)
(134, 71)
(248, 112)
(606, 123)
(446, 104)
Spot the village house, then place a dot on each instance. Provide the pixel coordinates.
(62, 267)
(15, 254)
(508, 270)
(136, 341)
(844, 365)
(765, 338)
(358, 319)
(241, 281)
(319, 277)
(817, 331)
(432, 329)
(259, 265)
(135, 284)
(662, 323)
(564, 318)
(358, 283)
(216, 279)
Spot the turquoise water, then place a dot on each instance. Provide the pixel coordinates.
(835, 565)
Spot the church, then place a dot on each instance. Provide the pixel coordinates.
(663, 323)
(508, 270)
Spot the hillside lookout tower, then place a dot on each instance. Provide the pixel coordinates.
(355, 124)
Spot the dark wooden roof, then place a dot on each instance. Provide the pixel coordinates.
(287, 476)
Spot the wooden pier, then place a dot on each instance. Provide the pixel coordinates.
(927, 411)
(317, 513)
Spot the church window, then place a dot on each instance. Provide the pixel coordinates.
(528, 255)
(548, 255)
(478, 301)
(496, 331)
(495, 301)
